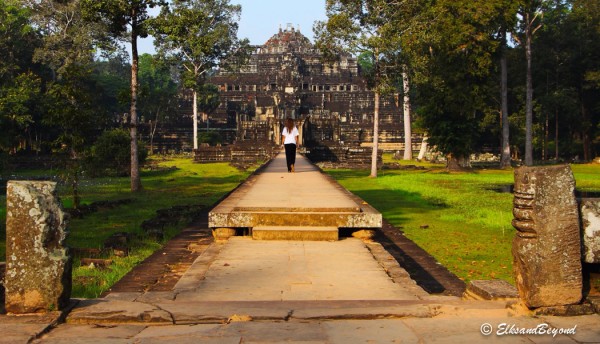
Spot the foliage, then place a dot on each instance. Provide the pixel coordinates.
(210, 137)
(120, 17)
(67, 37)
(199, 36)
(208, 98)
(72, 109)
(359, 27)
(19, 85)
(17, 39)
(17, 106)
(452, 56)
(112, 76)
(158, 90)
(110, 154)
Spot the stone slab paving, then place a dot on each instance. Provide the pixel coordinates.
(459, 328)
(308, 197)
(276, 188)
(247, 269)
(22, 329)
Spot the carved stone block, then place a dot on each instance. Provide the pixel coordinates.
(223, 233)
(546, 249)
(38, 267)
(590, 220)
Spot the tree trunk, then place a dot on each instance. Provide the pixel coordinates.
(529, 98)
(423, 149)
(587, 142)
(152, 126)
(408, 154)
(195, 119)
(452, 163)
(505, 156)
(75, 188)
(556, 134)
(136, 184)
(546, 136)
(375, 136)
(457, 163)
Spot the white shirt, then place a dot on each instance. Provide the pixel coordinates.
(290, 137)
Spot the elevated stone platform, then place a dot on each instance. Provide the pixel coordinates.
(307, 198)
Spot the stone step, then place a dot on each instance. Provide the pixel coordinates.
(300, 233)
(275, 218)
(157, 310)
(299, 209)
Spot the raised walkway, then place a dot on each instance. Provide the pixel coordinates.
(245, 290)
(274, 198)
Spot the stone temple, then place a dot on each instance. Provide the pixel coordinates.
(286, 77)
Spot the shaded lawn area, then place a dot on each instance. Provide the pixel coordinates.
(178, 182)
(459, 218)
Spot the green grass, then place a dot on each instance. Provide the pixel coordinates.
(469, 228)
(185, 184)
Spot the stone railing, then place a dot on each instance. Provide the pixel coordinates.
(338, 155)
(244, 153)
(551, 225)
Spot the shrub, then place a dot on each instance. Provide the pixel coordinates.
(212, 138)
(111, 154)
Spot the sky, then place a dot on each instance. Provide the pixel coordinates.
(261, 19)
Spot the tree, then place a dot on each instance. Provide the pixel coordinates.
(67, 49)
(530, 15)
(208, 99)
(586, 20)
(158, 92)
(201, 35)
(406, 111)
(357, 26)
(19, 84)
(567, 46)
(113, 75)
(402, 17)
(506, 20)
(120, 17)
(17, 104)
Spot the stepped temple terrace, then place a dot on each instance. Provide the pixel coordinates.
(286, 77)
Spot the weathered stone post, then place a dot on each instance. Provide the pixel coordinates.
(590, 221)
(38, 267)
(546, 249)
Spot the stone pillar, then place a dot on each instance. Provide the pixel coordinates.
(546, 249)
(38, 267)
(590, 220)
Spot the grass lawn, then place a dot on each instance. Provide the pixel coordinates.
(457, 217)
(186, 183)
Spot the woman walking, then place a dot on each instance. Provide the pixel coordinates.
(289, 137)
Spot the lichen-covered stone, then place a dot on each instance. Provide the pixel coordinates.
(590, 220)
(38, 266)
(547, 246)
